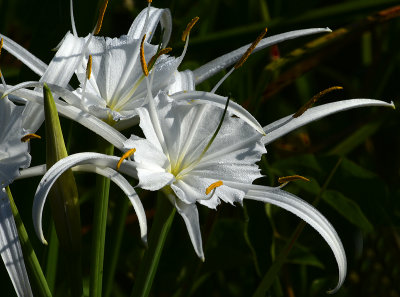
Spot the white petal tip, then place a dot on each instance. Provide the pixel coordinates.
(202, 259)
(44, 241)
(144, 240)
(333, 291)
(328, 29)
(392, 104)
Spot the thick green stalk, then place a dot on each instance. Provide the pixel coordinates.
(117, 232)
(63, 197)
(164, 216)
(36, 273)
(99, 227)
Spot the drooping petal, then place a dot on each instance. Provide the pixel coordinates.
(125, 186)
(306, 212)
(287, 124)
(91, 122)
(60, 167)
(32, 62)
(209, 69)
(156, 15)
(10, 249)
(206, 97)
(190, 216)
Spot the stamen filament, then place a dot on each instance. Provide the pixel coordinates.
(142, 57)
(127, 155)
(213, 186)
(153, 59)
(286, 179)
(30, 136)
(314, 99)
(250, 49)
(189, 27)
(101, 16)
(89, 67)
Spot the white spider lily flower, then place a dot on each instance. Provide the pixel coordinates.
(13, 156)
(174, 157)
(110, 74)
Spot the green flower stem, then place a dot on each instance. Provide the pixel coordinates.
(164, 216)
(99, 226)
(52, 258)
(117, 231)
(36, 273)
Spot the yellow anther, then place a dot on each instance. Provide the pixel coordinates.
(214, 186)
(101, 16)
(125, 156)
(188, 28)
(314, 99)
(149, 1)
(89, 67)
(28, 137)
(153, 59)
(1, 45)
(250, 49)
(286, 179)
(142, 58)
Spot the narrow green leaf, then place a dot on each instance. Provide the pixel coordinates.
(355, 139)
(348, 209)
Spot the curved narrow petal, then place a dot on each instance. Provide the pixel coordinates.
(213, 67)
(206, 97)
(33, 63)
(156, 15)
(59, 168)
(91, 122)
(125, 186)
(32, 172)
(59, 71)
(287, 124)
(306, 212)
(10, 249)
(190, 216)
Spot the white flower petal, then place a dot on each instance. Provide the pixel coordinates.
(209, 69)
(59, 71)
(13, 152)
(156, 15)
(287, 124)
(85, 119)
(190, 216)
(125, 186)
(10, 249)
(33, 63)
(198, 97)
(306, 212)
(60, 167)
(183, 82)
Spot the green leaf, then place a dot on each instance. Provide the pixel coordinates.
(348, 209)
(355, 139)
